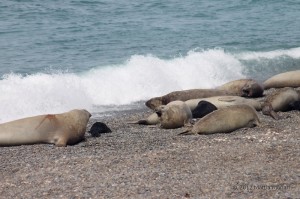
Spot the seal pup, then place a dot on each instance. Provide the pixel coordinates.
(176, 114)
(184, 95)
(98, 128)
(203, 108)
(287, 79)
(225, 120)
(223, 101)
(59, 129)
(243, 88)
(284, 99)
(152, 119)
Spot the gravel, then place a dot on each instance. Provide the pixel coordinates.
(136, 161)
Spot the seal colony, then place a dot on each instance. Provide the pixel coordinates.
(221, 110)
(228, 107)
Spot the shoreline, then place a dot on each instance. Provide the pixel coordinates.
(136, 161)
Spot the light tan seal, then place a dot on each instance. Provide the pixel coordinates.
(184, 95)
(59, 129)
(176, 114)
(243, 88)
(223, 101)
(152, 119)
(287, 79)
(225, 120)
(280, 100)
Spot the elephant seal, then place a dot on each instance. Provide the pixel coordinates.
(184, 95)
(287, 79)
(176, 114)
(223, 101)
(243, 88)
(59, 129)
(153, 119)
(99, 128)
(225, 120)
(203, 108)
(284, 99)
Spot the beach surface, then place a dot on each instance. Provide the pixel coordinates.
(136, 161)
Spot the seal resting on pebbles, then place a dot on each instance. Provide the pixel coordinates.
(184, 96)
(225, 120)
(223, 101)
(243, 88)
(284, 99)
(59, 129)
(176, 114)
(150, 120)
(287, 79)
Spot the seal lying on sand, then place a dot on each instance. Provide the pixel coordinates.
(58, 129)
(150, 120)
(287, 79)
(184, 96)
(225, 120)
(243, 88)
(284, 99)
(223, 101)
(174, 115)
(203, 108)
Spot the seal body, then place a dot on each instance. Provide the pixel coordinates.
(58, 129)
(281, 100)
(203, 108)
(287, 79)
(243, 88)
(176, 114)
(223, 101)
(184, 96)
(152, 119)
(226, 120)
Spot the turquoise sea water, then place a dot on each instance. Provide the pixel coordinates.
(58, 55)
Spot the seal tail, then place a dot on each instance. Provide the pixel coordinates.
(187, 131)
(143, 122)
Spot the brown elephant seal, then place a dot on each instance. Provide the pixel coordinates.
(223, 101)
(152, 119)
(184, 95)
(287, 79)
(283, 99)
(203, 108)
(176, 114)
(225, 120)
(243, 88)
(59, 129)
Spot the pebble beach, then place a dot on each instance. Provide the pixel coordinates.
(136, 161)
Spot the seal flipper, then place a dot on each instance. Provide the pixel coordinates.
(274, 115)
(187, 131)
(144, 122)
(60, 142)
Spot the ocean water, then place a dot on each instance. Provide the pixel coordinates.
(109, 55)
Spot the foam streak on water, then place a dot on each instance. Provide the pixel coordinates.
(140, 78)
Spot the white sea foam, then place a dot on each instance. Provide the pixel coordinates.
(293, 53)
(140, 78)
